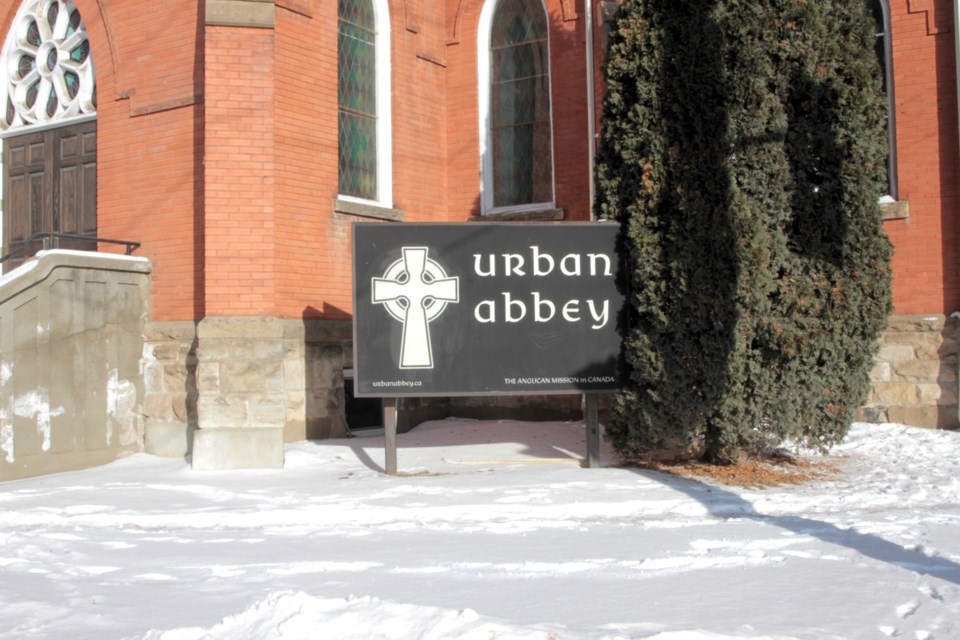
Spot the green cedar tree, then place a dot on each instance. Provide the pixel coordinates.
(742, 152)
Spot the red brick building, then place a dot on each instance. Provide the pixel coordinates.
(238, 140)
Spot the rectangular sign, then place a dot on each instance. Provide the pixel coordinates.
(477, 308)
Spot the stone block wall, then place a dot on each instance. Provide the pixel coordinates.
(272, 379)
(170, 383)
(315, 354)
(915, 374)
(265, 372)
(240, 373)
(242, 386)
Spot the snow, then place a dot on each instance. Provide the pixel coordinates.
(493, 530)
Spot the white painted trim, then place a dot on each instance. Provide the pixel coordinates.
(483, 85)
(486, 147)
(591, 106)
(384, 111)
(891, 93)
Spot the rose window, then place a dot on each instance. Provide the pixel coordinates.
(48, 71)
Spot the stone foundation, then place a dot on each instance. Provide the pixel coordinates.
(169, 376)
(282, 380)
(207, 382)
(268, 373)
(285, 376)
(915, 375)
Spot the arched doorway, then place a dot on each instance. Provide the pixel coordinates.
(48, 125)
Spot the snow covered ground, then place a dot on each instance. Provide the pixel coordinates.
(494, 532)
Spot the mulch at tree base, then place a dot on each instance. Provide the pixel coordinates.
(754, 472)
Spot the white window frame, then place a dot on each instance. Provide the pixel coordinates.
(484, 61)
(893, 186)
(381, 15)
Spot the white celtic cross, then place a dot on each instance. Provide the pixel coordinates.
(415, 290)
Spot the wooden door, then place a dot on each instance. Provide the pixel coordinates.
(50, 184)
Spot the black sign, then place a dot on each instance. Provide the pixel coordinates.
(464, 309)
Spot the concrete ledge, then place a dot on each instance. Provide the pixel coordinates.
(179, 330)
(232, 327)
(237, 448)
(540, 215)
(367, 210)
(240, 13)
(899, 210)
(39, 268)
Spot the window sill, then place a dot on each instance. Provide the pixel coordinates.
(539, 215)
(899, 210)
(367, 210)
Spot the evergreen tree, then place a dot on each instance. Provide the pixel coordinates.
(742, 152)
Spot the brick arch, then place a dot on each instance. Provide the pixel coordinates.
(569, 10)
(7, 17)
(63, 156)
(939, 19)
(463, 7)
(409, 16)
(564, 8)
(102, 41)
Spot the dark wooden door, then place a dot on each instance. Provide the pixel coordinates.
(50, 184)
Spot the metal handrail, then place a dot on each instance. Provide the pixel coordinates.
(52, 241)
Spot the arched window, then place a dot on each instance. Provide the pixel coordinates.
(363, 63)
(881, 15)
(48, 125)
(47, 69)
(515, 130)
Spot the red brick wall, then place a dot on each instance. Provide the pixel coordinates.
(218, 145)
(149, 190)
(927, 260)
(240, 173)
(148, 131)
(232, 193)
(313, 251)
(569, 100)
(305, 104)
(420, 111)
(462, 104)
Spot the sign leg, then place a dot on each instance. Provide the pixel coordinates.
(390, 435)
(592, 420)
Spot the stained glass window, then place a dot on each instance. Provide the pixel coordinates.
(47, 69)
(357, 91)
(520, 135)
(880, 11)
